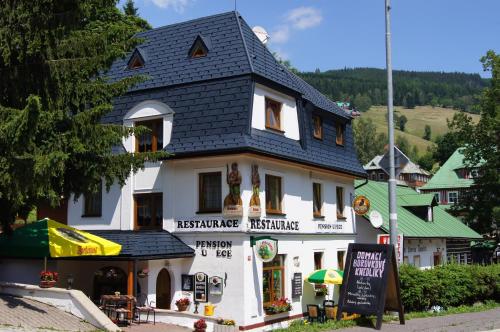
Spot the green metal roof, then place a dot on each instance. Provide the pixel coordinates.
(417, 199)
(446, 177)
(444, 224)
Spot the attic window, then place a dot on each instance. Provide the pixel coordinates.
(199, 49)
(136, 61)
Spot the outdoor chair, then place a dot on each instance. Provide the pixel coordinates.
(314, 313)
(144, 307)
(329, 311)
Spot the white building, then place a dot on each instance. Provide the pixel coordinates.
(216, 96)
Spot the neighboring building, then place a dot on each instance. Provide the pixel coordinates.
(431, 236)
(217, 99)
(452, 180)
(412, 175)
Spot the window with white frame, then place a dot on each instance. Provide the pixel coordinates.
(452, 197)
(317, 200)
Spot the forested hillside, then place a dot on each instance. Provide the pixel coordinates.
(365, 87)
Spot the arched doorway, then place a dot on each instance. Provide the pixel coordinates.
(163, 296)
(108, 280)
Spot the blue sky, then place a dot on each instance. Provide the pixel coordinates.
(429, 35)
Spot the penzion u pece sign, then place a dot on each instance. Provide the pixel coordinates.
(371, 282)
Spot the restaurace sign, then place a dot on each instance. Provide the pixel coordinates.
(208, 225)
(270, 225)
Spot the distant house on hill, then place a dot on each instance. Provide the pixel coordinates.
(452, 180)
(431, 236)
(412, 174)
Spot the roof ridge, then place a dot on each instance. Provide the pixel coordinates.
(238, 16)
(186, 22)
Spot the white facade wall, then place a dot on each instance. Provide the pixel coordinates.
(178, 180)
(289, 117)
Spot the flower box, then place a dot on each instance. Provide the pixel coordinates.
(278, 306)
(225, 328)
(47, 283)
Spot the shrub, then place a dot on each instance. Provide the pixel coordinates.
(449, 285)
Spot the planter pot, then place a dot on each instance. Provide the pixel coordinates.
(47, 284)
(182, 307)
(200, 330)
(225, 328)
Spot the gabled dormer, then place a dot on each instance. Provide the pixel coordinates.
(420, 205)
(137, 59)
(200, 48)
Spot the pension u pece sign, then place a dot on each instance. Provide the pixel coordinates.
(371, 282)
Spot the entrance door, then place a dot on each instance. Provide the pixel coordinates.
(163, 296)
(437, 258)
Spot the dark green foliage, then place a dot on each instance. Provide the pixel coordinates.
(52, 98)
(456, 90)
(368, 142)
(402, 120)
(130, 9)
(427, 133)
(403, 145)
(362, 102)
(448, 285)
(426, 161)
(446, 145)
(482, 147)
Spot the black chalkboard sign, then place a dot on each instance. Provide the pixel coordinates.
(297, 285)
(371, 282)
(201, 287)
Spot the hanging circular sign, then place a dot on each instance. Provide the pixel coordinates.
(266, 249)
(361, 205)
(376, 219)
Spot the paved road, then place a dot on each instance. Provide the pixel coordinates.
(474, 321)
(20, 314)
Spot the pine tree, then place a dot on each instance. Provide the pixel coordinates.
(130, 9)
(53, 93)
(427, 133)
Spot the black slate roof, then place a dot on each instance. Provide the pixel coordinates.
(212, 96)
(233, 50)
(150, 244)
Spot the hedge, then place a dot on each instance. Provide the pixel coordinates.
(448, 285)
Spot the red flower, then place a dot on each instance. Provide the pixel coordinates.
(200, 324)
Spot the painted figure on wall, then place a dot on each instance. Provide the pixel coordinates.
(234, 182)
(255, 200)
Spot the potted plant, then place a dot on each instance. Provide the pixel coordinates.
(281, 305)
(143, 273)
(225, 325)
(48, 279)
(182, 304)
(200, 325)
(321, 290)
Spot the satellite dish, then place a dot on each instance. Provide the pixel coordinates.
(261, 33)
(376, 219)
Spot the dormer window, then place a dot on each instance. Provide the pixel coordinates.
(151, 141)
(273, 114)
(136, 60)
(317, 127)
(199, 48)
(340, 133)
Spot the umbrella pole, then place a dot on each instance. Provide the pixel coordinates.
(45, 263)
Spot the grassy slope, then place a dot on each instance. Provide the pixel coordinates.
(417, 119)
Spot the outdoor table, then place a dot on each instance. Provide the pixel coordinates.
(111, 305)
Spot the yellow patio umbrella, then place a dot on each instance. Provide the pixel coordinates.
(325, 276)
(48, 238)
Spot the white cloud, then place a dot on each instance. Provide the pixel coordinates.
(280, 54)
(280, 35)
(304, 17)
(177, 5)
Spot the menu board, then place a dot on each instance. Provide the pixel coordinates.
(200, 287)
(297, 285)
(371, 282)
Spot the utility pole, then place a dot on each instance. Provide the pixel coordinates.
(393, 216)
